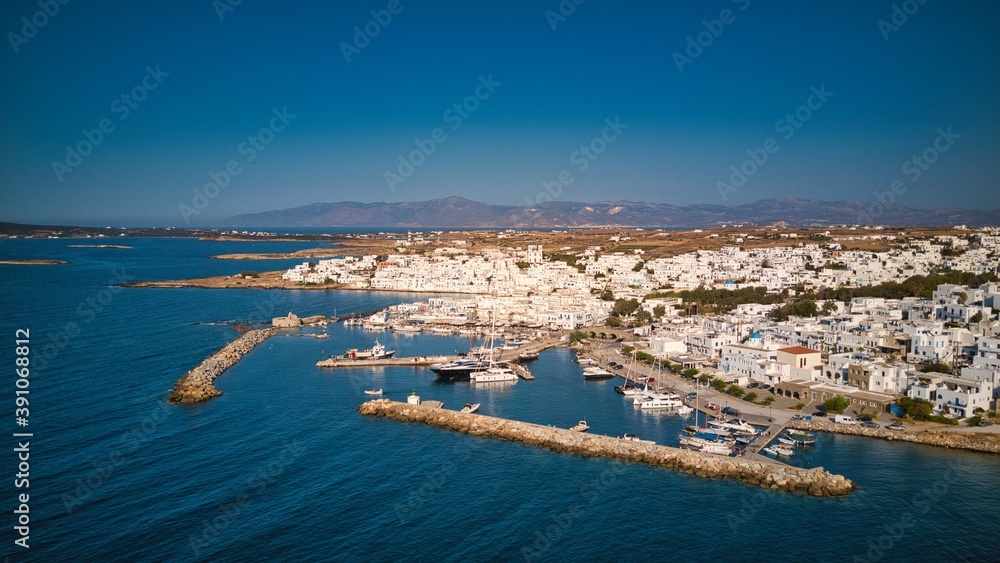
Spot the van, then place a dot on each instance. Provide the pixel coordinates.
(844, 419)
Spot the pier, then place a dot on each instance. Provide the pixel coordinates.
(415, 361)
(764, 474)
(197, 385)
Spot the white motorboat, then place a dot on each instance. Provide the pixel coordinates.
(595, 372)
(784, 451)
(581, 426)
(374, 391)
(633, 438)
(493, 374)
(706, 446)
(470, 407)
(407, 328)
(585, 360)
(736, 426)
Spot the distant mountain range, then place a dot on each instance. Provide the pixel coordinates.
(461, 212)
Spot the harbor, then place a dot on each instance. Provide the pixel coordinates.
(197, 385)
(762, 473)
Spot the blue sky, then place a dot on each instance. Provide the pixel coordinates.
(211, 83)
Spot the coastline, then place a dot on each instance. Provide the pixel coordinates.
(977, 442)
(33, 262)
(197, 385)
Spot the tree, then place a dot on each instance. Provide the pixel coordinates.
(704, 379)
(613, 322)
(751, 396)
(625, 307)
(660, 310)
(638, 266)
(691, 372)
(938, 367)
(836, 404)
(607, 295)
(770, 399)
(735, 390)
(830, 307)
(977, 318)
(522, 265)
(577, 336)
(719, 385)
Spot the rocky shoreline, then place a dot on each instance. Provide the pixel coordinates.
(197, 385)
(977, 442)
(767, 475)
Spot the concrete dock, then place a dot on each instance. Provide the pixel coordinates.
(415, 361)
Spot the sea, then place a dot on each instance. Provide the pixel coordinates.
(282, 467)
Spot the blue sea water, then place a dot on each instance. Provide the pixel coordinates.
(281, 467)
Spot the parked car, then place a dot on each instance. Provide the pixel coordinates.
(895, 426)
(869, 424)
(843, 419)
(864, 418)
(617, 366)
(753, 385)
(712, 406)
(984, 423)
(731, 411)
(691, 395)
(765, 387)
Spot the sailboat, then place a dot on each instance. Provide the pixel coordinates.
(495, 372)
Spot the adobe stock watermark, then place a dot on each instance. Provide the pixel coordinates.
(907, 515)
(590, 491)
(255, 485)
(581, 158)
(436, 480)
(456, 116)
(898, 17)
(913, 168)
(696, 44)
(249, 149)
(224, 7)
(786, 127)
(363, 35)
(30, 26)
(122, 107)
(564, 10)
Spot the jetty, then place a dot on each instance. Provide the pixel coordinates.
(197, 385)
(984, 442)
(416, 361)
(764, 474)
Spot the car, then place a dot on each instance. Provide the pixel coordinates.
(895, 426)
(984, 423)
(617, 366)
(691, 395)
(731, 411)
(869, 424)
(712, 406)
(765, 387)
(864, 418)
(753, 386)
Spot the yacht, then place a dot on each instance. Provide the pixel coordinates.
(527, 356)
(585, 360)
(736, 426)
(493, 374)
(581, 426)
(633, 438)
(470, 407)
(461, 367)
(595, 372)
(706, 446)
(407, 328)
(374, 391)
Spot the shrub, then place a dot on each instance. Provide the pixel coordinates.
(735, 390)
(797, 407)
(836, 404)
(751, 396)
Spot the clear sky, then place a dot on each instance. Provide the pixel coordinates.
(198, 85)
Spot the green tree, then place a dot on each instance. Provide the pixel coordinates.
(751, 396)
(977, 318)
(938, 367)
(704, 379)
(829, 307)
(660, 310)
(613, 322)
(719, 385)
(770, 399)
(836, 404)
(625, 307)
(735, 390)
(577, 336)
(607, 295)
(690, 372)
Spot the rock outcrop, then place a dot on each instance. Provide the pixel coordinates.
(197, 385)
(975, 441)
(768, 475)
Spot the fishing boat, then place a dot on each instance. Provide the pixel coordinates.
(581, 426)
(376, 352)
(736, 426)
(717, 447)
(784, 451)
(527, 356)
(801, 437)
(787, 441)
(470, 407)
(411, 328)
(585, 360)
(374, 391)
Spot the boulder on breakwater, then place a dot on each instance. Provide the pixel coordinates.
(974, 441)
(767, 475)
(196, 385)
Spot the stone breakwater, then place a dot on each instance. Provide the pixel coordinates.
(774, 476)
(196, 385)
(974, 441)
